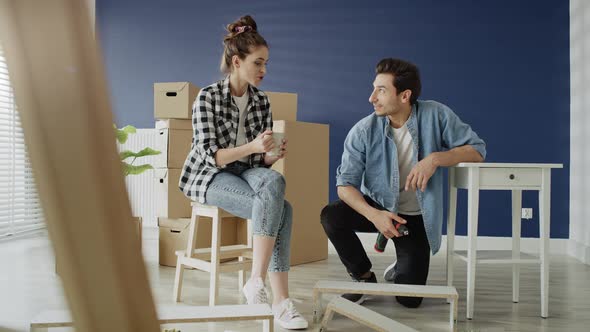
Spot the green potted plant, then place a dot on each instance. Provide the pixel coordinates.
(128, 159)
(128, 167)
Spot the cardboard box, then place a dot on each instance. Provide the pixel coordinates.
(171, 202)
(307, 187)
(174, 143)
(283, 105)
(182, 124)
(174, 236)
(174, 100)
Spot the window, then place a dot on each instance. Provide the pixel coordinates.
(20, 209)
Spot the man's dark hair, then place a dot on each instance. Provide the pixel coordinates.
(406, 76)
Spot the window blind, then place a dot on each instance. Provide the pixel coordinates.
(20, 209)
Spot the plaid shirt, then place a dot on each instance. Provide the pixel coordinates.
(215, 125)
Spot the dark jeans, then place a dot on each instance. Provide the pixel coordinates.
(340, 223)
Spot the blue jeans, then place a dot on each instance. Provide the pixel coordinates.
(257, 194)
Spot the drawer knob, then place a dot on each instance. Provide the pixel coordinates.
(511, 176)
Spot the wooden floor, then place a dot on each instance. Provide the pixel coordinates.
(29, 285)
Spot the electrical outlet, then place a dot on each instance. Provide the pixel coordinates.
(527, 213)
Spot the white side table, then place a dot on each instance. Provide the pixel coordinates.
(500, 176)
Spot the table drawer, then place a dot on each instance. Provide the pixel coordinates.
(500, 177)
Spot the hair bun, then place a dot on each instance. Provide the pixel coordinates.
(243, 24)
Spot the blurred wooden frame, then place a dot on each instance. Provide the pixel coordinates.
(63, 102)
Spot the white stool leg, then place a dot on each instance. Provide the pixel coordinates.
(327, 318)
(544, 229)
(268, 325)
(178, 279)
(214, 273)
(190, 247)
(241, 276)
(451, 220)
(472, 214)
(192, 234)
(516, 228)
(242, 273)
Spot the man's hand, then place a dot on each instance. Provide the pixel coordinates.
(420, 174)
(383, 221)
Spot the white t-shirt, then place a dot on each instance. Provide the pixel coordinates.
(408, 202)
(242, 103)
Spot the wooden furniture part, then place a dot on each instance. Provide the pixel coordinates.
(362, 315)
(197, 258)
(173, 315)
(500, 176)
(63, 103)
(342, 287)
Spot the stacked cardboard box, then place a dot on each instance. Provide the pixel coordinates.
(306, 172)
(172, 110)
(307, 182)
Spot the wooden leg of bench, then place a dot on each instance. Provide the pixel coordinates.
(317, 305)
(178, 279)
(327, 318)
(268, 325)
(452, 313)
(455, 306)
(241, 276)
(214, 273)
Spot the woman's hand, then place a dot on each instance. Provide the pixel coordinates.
(263, 143)
(269, 160)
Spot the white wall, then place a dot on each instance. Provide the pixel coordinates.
(579, 243)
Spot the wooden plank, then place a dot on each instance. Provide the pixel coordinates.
(499, 257)
(173, 314)
(63, 102)
(341, 287)
(219, 313)
(225, 252)
(210, 211)
(235, 266)
(364, 316)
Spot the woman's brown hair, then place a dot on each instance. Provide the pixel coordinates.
(241, 38)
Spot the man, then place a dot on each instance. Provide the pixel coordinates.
(391, 173)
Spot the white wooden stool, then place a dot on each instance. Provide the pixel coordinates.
(342, 287)
(208, 259)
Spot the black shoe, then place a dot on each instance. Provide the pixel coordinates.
(360, 298)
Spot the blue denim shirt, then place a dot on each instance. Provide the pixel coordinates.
(369, 161)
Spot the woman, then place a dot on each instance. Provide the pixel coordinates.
(228, 166)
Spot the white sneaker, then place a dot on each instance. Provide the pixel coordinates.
(287, 316)
(389, 274)
(255, 292)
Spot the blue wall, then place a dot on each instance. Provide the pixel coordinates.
(503, 66)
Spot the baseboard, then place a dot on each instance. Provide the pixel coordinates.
(528, 245)
(579, 251)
